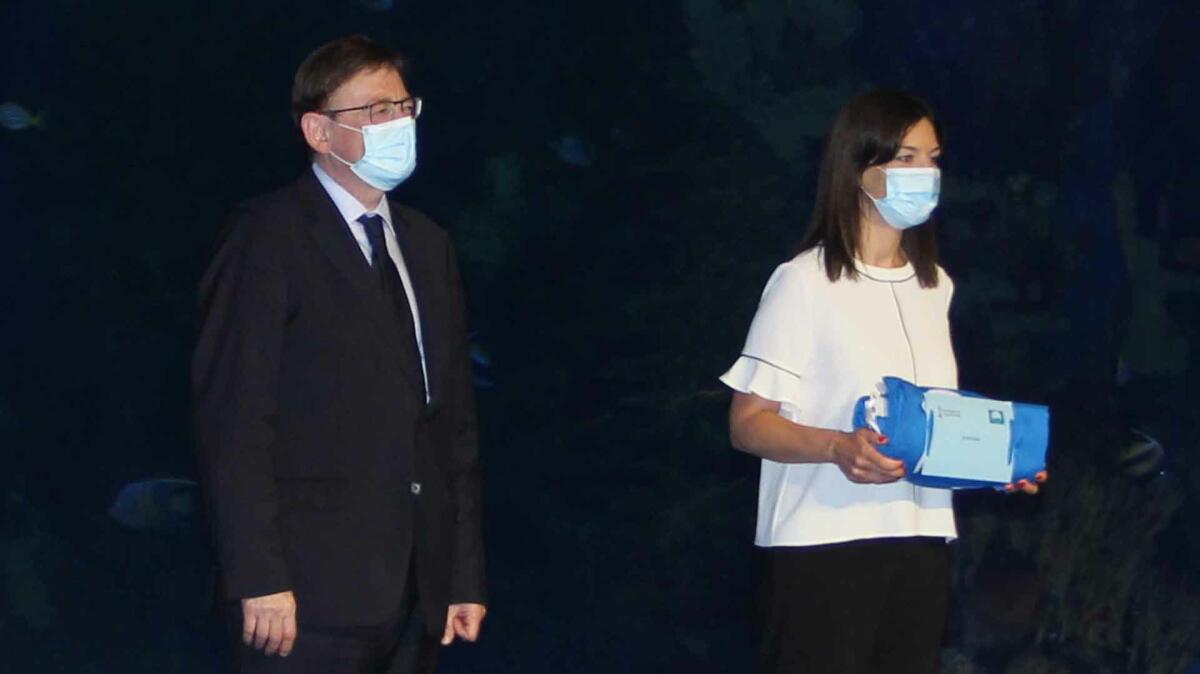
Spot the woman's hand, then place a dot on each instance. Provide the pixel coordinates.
(856, 454)
(1027, 486)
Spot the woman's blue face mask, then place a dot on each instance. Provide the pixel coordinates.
(909, 197)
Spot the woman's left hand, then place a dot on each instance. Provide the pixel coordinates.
(1027, 486)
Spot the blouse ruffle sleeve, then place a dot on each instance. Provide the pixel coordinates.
(778, 347)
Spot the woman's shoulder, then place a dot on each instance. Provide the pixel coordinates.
(943, 279)
(807, 265)
(795, 275)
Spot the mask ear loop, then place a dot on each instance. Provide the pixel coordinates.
(862, 183)
(334, 154)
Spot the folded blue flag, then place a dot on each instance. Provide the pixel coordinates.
(956, 439)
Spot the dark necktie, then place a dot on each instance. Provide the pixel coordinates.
(393, 288)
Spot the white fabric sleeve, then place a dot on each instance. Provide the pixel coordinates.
(778, 348)
(945, 281)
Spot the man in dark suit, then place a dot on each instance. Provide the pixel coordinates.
(334, 411)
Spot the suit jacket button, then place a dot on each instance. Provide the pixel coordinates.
(416, 488)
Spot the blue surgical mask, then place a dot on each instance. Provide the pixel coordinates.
(389, 153)
(911, 196)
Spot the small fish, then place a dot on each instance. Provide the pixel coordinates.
(479, 357)
(376, 5)
(164, 504)
(16, 118)
(1141, 456)
(572, 151)
(481, 364)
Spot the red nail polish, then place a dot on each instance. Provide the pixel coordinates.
(883, 439)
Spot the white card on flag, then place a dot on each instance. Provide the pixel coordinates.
(971, 438)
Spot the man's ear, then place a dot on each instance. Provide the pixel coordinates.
(316, 131)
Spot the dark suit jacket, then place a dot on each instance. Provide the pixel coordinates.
(324, 470)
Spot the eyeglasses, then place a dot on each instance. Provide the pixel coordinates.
(384, 111)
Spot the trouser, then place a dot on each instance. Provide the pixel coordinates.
(400, 645)
(871, 606)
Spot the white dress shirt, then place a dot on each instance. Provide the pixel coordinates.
(351, 210)
(815, 346)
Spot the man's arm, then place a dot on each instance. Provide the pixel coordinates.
(467, 573)
(235, 377)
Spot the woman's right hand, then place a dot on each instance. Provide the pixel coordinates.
(856, 454)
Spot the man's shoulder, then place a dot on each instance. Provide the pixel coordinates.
(270, 214)
(422, 226)
(285, 199)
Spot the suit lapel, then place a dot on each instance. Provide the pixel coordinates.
(335, 241)
(419, 275)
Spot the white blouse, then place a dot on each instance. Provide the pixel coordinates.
(815, 347)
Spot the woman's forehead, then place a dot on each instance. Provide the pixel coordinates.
(922, 136)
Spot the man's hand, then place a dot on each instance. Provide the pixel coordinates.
(270, 621)
(463, 620)
(856, 454)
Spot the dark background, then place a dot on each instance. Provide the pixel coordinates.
(620, 177)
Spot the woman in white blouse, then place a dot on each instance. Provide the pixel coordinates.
(858, 567)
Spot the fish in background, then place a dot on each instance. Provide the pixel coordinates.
(481, 365)
(162, 504)
(572, 151)
(1141, 456)
(376, 5)
(16, 118)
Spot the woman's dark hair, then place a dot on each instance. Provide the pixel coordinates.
(332, 65)
(867, 132)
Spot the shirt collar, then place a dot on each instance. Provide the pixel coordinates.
(885, 274)
(350, 208)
